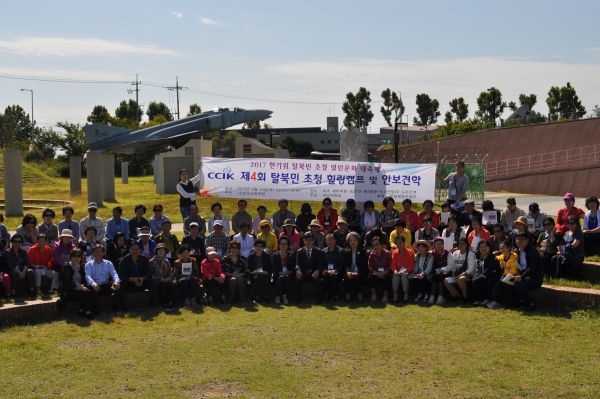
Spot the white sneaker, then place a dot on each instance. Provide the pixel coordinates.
(277, 300)
(432, 300)
(441, 300)
(426, 298)
(418, 298)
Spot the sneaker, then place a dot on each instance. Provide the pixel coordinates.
(385, 299)
(440, 300)
(405, 298)
(476, 303)
(395, 298)
(285, 300)
(373, 297)
(52, 292)
(485, 302)
(493, 305)
(418, 298)
(186, 302)
(426, 299)
(432, 300)
(193, 302)
(277, 300)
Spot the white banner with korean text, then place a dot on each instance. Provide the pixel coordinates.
(304, 179)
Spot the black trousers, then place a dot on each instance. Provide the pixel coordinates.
(210, 284)
(546, 265)
(591, 240)
(420, 285)
(386, 281)
(282, 286)
(166, 291)
(262, 285)
(308, 278)
(520, 290)
(483, 288)
(82, 296)
(437, 283)
(149, 285)
(353, 283)
(189, 287)
(106, 290)
(499, 287)
(331, 284)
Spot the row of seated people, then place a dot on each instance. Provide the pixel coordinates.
(468, 270)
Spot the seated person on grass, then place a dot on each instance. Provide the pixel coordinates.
(47, 226)
(62, 248)
(218, 240)
(162, 274)
(260, 267)
(538, 218)
(355, 261)
(531, 276)
(521, 227)
(74, 286)
(333, 273)
(245, 239)
(117, 248)
(40, 258)
(479, 232)
(234, 266)
(318, 237)
(427, 232)
(16, 265)
(284, 262)
(268, 237)
(213, 276)
(103, 280)
(403, 262)
(187, 275)
(443, 262)
(498, 238)
(419, 277)
(433, 215)
(117, 224)
(195, 241)
(93, 221)
(138, 221)
(488, 272)
(147, 243)
(591, 227)
(379, 263)
(341, 233)
(136, 274)
(170, 240)
(400, 229)
(508, 266)
(462, 270)
(309, 260)
(468, 215)
(68, 223)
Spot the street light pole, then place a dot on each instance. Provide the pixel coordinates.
(493, 91)
(31, 112)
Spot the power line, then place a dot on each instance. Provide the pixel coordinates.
(176, 88)
(58, 80)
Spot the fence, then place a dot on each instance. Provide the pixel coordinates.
(557, 160)
(476, 174)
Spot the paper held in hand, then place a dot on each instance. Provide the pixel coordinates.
(475, 242)
(490, 217)
(509, 279)
(451, 280)
(449, 242)
(445, 216)
(531, 224)
(186, 269)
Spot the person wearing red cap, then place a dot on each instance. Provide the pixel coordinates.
(568, 210)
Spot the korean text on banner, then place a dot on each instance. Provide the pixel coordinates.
(304, 179)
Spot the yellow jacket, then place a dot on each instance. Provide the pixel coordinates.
(407, 238)
(270, 239)
(512, 264)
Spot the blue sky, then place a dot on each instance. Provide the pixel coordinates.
(311, 52)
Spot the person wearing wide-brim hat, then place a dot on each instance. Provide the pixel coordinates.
(341, 233)
(147, 243)
(422, 270)
(289, 230)
(315, 228)
(162, 274)
(424, 242)
(268, 236)
(61, 249)
(522, 227)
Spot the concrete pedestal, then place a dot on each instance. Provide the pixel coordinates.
(125, 172)
(353, 148)
(108, 177)
(94, 178)
(13, 183)
(75, 175)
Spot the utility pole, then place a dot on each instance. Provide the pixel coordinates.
(137, 104)
(177, 88)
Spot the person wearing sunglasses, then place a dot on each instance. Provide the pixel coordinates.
(568, 262)
(234, 266)
(16, 265)
(327, 216)
(260, 267)
(427, 232)
(74, 286)
(47, 227)
(156, 221)
(96, 222)
(268, 237)
(28, 230)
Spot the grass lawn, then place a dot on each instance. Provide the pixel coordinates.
(311, 351)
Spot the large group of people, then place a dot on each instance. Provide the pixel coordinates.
(459, 254)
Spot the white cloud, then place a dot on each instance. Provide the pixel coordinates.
(177, 14)
(54, 46)
(208, 21)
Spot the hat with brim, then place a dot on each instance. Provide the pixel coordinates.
(66, 233)
(217, 223)
(522, 220)
(211, 251)
(161, 246)
(569, 196)
(145, 232)
(315, 223)
(426, 243)
(288, 222)
(266, 223)
(341, 220)
(194, 224)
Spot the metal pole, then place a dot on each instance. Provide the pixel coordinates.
(137, 103)
(177, 90)
(396, 142)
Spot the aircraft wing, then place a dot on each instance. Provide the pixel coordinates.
(148, 144)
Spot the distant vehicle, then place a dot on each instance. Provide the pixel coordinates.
(175, 133)
(336, 156)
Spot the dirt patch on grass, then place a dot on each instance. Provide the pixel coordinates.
(80, 344)
(217, 390)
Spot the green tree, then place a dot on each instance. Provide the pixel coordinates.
(46, 142)
(252, 125)
(225, 145)
(155, 109)
(290, 144)
(564, 102)
(427, 109)
(391, 103)
(73, 141)
(194, 109)
(127, 110)
(460, 108)
(595, 113)
(486, 102)
(448, 117)
(15, 128)
(305, 147)
(512, 106)
(100, 115)
(267, 126)
(528, 101)
(357, 108)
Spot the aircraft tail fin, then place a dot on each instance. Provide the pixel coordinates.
(97, 133)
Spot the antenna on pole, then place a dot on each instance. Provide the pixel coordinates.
(177, 88)
(137, 104)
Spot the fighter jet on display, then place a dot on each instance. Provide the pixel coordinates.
(174, 133)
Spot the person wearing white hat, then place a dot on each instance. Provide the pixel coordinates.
(61, 249)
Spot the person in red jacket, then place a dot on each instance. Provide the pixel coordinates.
(212, 276)
(568, 210)
(40, 257)
(328, 216)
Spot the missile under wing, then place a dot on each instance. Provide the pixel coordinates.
(175, 133)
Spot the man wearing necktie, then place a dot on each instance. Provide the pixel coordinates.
(309, 264)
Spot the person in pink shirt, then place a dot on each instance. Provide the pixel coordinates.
(289, 230)
(568, 210)
(212, 276)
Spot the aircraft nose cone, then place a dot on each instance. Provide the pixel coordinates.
(261, 114)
